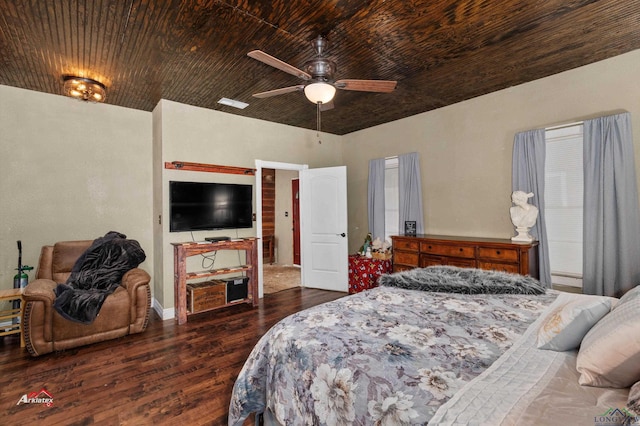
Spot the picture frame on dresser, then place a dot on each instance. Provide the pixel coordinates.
(410, 227)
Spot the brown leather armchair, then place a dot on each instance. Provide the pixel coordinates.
(125, 311)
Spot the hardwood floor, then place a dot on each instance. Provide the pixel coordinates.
(169, 374)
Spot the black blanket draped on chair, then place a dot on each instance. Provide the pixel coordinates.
(96, 274)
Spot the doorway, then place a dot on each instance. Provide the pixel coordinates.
(281, 269)
(323, 225)
(279, 220)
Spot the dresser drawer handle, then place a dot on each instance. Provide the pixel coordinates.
(429, 247)
(497, 251)
(460, 250)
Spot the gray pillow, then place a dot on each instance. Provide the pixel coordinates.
(564, 328)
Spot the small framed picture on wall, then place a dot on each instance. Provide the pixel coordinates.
(410, 227)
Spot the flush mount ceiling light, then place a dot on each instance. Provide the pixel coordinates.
(84, 89)
(319, 92)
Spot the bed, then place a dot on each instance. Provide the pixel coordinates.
(458, 349)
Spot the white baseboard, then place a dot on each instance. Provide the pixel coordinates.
(165, 314)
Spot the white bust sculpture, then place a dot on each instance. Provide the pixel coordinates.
(523, 215)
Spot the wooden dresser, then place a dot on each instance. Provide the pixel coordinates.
(467, 252)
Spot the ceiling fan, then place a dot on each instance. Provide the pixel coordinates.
(320, 86)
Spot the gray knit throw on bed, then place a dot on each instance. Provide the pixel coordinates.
(451, 279)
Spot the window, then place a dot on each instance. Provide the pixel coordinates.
(391, 198)
(564, 203)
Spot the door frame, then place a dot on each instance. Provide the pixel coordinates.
(295, 217)
(260, 164)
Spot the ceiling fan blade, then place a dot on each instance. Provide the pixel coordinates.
(326, 107)
(382, 86)
(277, 63)
(280, 91)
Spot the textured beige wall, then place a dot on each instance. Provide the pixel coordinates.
(465, 149)
(201, 135)
(70, 170)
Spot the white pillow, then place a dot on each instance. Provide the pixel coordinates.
(609, 355)
(564, 328)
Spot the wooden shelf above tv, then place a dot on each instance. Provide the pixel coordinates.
(210, 168)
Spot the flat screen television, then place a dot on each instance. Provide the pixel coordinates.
(202, 206)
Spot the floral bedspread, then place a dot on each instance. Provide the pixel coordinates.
(385, 356)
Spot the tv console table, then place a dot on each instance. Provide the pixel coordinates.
(184, 250)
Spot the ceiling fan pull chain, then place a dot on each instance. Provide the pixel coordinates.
(318, 120)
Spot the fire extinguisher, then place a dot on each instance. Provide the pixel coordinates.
(21, 279)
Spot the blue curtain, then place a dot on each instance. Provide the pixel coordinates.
(611, 255)
(375, 198)
(528, 176)
(410, 191)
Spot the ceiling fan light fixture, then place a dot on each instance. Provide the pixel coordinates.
(84, 89)
(319, 92)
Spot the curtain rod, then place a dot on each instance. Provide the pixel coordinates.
(562, 126)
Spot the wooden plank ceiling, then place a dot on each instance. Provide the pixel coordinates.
(195, 51)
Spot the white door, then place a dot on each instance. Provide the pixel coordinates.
(323, 228)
